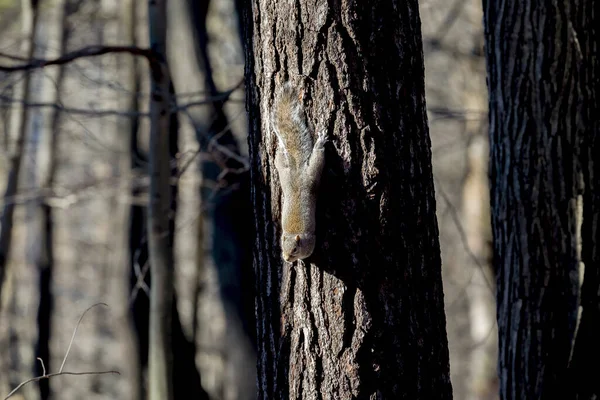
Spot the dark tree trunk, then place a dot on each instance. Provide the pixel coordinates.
(585, 369)
(542, 79)
(186, 377)
(138, 245)
(228, 214)
(160, 243)
(228, 210)
(46, 256)
(363, 317)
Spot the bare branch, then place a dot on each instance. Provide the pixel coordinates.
(61, 372)
(140, 274)
(464, 241)
(214, 144)
(43, 366)
(48, 376)
(75, 332)
(7, 102)
(90, 51)
(224, 96)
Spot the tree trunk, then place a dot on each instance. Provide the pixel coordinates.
(160, 246)
(124, 233)
(47, 170)
(363, 317)
(30, 19)
(585, 369)
(226, 221)
(543, 118)
(584, 366)
(480, 290)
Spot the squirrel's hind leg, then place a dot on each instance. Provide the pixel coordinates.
(317, 160)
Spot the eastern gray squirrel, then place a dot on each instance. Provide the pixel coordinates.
(299, 164)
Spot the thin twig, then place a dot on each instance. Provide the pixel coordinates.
(464, 241)
(214, 144)
(8, 101)
(75, 332)
(61, 372)
(39, 378)
(43, 366)
(140, 274)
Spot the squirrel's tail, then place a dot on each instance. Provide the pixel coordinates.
(289, 123)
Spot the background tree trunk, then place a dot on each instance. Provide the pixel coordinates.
(543, 110)
(129, 226)
(21, 119)
(160, 245)
(225, 223)
(45, 165)
(364, 318)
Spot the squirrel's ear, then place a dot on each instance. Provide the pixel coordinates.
(297, 238)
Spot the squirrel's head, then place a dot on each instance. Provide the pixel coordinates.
(297, 246)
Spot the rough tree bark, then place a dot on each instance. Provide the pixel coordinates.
(584, 367)
(542, 79)
(363, 317)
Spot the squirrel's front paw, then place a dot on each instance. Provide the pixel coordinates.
(321, 139)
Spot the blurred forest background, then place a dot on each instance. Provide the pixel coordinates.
(79, 226)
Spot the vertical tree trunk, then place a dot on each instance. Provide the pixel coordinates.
(227, 213)
(543, 107)
(45, 258)
(127, 167)
(160, 245)
(228, 210)
(30, 18)
(483, 376)
(363, 317)
(585, 369)
(139, 302)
